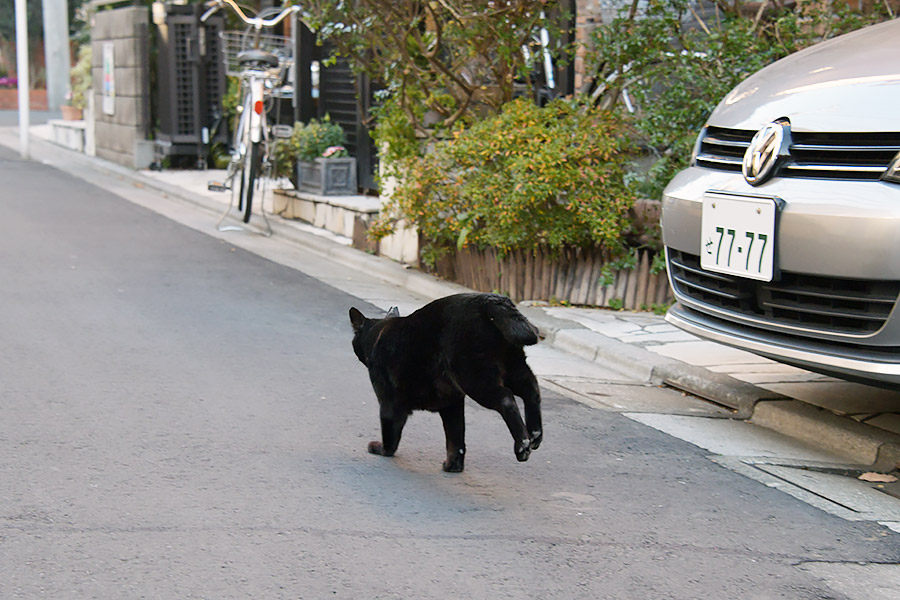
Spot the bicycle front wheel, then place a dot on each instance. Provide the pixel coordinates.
(249, 175)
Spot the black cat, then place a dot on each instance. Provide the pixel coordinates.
(467, 344)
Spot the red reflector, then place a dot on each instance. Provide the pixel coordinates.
(258, 107)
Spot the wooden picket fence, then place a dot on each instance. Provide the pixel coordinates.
(570, 275)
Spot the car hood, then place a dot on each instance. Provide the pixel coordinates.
(847, 84)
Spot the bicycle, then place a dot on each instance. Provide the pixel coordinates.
(261, 61)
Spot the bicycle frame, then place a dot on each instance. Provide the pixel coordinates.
(250, 152)
(253, 114)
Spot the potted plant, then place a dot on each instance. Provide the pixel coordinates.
(323, 165)
(70, 112)
(80, 78)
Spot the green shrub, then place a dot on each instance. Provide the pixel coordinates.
(528, 177)
(80, 76)
(308, 142)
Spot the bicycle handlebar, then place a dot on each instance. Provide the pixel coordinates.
(255, 22)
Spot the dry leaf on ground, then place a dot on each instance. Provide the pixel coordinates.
(877, 477)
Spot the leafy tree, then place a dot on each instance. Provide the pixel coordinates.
(33, 12)
(439, 61)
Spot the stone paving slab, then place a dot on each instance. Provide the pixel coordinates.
(646, 398)
(768, 379)
(840, 397)
(887, 421)
(732, 438)
(706, 354)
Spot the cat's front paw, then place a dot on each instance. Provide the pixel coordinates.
(522, 450)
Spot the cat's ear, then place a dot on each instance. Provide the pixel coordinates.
(393, 312)
(356, 319)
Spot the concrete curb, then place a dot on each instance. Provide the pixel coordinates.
(866, 444)
(720, 388)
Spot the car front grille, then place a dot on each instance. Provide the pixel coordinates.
(819, 155)
(825, 304)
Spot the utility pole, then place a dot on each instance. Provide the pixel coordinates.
(22, 75)
(56, 51)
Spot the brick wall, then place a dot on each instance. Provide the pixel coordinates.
(589, 14)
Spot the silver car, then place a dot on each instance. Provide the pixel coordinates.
(783, 235)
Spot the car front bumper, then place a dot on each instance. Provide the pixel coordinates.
(833, 231)
(856, 363)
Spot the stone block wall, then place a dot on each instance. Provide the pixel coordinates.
(120, 135)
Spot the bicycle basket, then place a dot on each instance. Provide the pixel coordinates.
(235, 42)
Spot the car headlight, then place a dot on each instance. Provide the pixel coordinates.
(893, 171)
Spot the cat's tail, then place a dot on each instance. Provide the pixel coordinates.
(512, 324)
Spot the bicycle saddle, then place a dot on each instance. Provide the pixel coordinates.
(258, 56)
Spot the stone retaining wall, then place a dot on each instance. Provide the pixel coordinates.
(120, 136)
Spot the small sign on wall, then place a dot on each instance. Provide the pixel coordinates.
(109, 79)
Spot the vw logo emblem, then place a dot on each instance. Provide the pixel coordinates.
(763, 153)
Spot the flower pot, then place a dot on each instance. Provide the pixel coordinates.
(70, 113)
(327, 176)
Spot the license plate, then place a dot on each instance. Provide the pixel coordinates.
(738, 235)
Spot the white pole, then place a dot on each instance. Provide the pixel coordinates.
(56, 51)
(22, 75)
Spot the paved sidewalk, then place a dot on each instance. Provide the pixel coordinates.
(861, 421)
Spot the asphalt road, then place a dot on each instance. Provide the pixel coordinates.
(184, 419)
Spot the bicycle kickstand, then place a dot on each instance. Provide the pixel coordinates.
(228, 185)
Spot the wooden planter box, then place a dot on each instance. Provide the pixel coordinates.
(570, 276)
(327, 176)
(9, 99)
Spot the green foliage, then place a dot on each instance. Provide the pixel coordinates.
(80, 76)
(219, 156)
(658, 265)
(616, 303)
(626, 261)
(660, 309)
(657, 309)
(528, 177)
(675, 73)
(395, 133)
(231, 99)
(308, 142)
